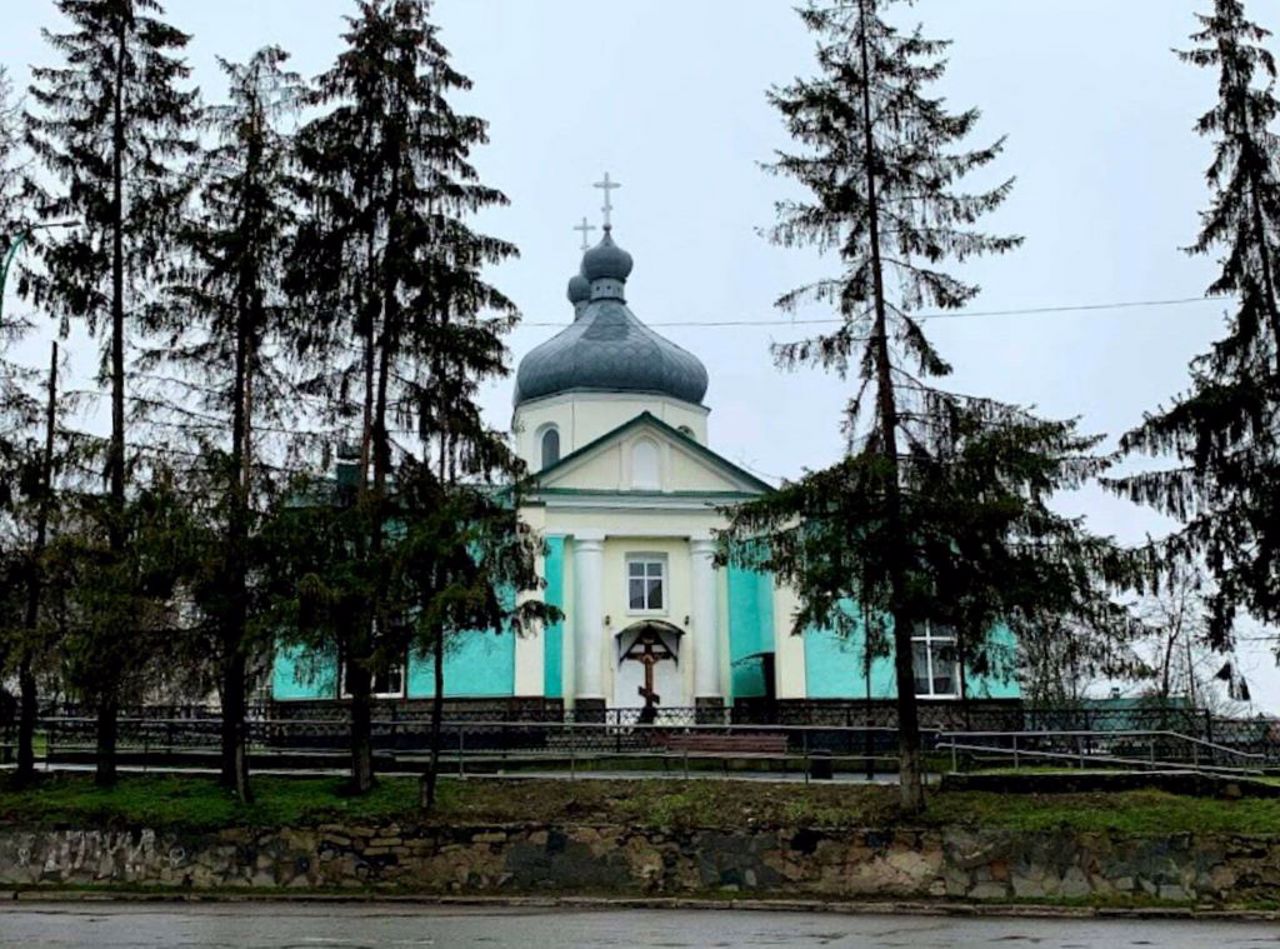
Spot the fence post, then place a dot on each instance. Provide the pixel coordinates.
(1015, 751)
(1152, 753)
(462, 749)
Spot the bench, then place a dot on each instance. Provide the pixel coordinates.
(761, 743)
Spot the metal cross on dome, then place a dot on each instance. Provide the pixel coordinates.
(586, 230)
(606, 186)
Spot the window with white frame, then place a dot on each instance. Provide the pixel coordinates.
(936, 662)
(646, 583)
(388, 683)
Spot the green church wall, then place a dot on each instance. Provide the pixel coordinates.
(297, 675)
(750, 630)
(553, 637)
(477, 664)
(834, 668)
(1002, 680)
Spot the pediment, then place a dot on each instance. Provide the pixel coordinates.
(646, 456)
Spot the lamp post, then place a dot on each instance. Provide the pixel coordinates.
(17, 246)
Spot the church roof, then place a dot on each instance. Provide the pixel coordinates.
(607, 349)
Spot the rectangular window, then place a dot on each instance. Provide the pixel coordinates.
(387, 684)
(646, 578)
(935, 659)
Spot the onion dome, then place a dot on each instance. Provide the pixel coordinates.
(606, 261)
(579, 289)
(607, 349)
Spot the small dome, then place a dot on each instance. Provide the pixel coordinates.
(606, 261)
(579, 289)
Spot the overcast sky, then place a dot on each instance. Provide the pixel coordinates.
(668, 96)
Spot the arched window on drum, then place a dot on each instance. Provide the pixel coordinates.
(550, 446)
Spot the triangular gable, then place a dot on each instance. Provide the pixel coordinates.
(690, 468)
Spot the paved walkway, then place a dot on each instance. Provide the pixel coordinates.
(387, 926)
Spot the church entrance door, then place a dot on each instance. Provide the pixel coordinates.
(648, 674)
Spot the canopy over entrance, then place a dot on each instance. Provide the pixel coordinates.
(648, 653)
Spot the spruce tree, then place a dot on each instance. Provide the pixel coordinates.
(111, 129)
(938, 511)
(233, 337)
(12, 219)
(463, 561)
(387, 261)
(1224, 433)
(19, 454)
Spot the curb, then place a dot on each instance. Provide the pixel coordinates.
(835, 907)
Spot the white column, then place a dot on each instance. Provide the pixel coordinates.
(706, 633)
(588, 614)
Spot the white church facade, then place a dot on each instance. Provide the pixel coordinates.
(613, 419)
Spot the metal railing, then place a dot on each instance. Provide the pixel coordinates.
(1151, 750)
(308, 744)
(853, 738)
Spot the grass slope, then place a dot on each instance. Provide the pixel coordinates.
(196, 804)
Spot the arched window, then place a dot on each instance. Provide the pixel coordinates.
(550, 446)
(687, 432)
(644, 466)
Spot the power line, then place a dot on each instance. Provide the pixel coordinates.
(962, 314)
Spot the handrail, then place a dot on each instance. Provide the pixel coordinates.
(1107, 733)
(1152, 766)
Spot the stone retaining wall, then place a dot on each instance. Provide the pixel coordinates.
(795, 863)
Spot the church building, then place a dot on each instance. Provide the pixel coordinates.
(615, 421)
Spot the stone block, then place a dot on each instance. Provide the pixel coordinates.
(988, 891)
(1027, 888)
(1074, 885)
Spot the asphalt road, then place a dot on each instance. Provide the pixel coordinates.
(389, 926)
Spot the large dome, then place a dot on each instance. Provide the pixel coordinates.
(607, 349)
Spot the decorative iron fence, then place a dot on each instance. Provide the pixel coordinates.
(320, 736)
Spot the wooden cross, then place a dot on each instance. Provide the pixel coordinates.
(606, 186)
(649, 650)
(586, 230)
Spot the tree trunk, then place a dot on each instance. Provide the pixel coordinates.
(108, 729)
(359, 684)
(109, 706)
(27, 709)
(26, 678)
(909, 767)
(235, 757)
(428, 799)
